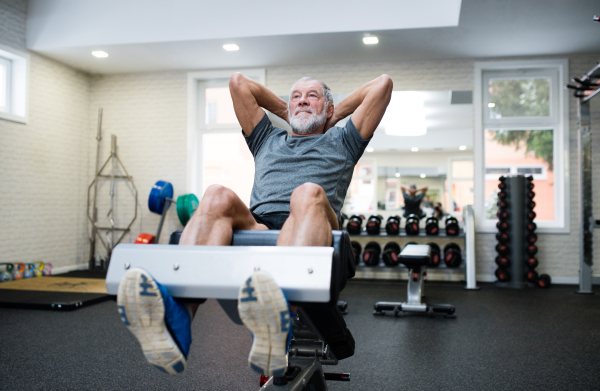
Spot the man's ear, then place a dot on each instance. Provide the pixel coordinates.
(330, 109)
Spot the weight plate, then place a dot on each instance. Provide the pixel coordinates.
(186, 205)
(160, 191)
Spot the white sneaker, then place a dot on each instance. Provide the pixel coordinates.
(264, 310)
(142, 310)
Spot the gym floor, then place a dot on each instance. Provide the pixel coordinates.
(502, 339)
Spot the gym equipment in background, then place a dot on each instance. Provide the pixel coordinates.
(391, 253)
(374, 225)
(465, 239)
(392, 226)
(354, 226)
(201, 272)
(412, 225)
(436, 258)
(452, 227)
(356, 250)
(517, 240)
(159, 201)
(371, 254)
(108, 241)
(416, 258)
(452, 255)
(432, 227)
(586, 89)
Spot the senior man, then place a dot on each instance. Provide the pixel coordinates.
(299, 188)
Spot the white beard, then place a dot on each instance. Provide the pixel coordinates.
(304, 124)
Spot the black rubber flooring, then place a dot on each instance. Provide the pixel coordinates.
(501, 340)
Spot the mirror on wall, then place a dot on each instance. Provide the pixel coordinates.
(425, 139)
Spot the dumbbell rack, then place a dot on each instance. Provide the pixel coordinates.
(465, 239)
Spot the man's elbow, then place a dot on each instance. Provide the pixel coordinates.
(236, 81)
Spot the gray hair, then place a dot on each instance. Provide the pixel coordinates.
(326, 90)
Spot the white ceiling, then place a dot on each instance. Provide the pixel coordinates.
(186, 34)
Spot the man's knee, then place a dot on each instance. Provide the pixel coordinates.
(217, 200)
(307, 195)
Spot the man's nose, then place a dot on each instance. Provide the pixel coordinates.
(303, 101)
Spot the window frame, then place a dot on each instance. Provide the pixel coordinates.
(18, 85)
(558, 122)
(8, 82)
(195, 131)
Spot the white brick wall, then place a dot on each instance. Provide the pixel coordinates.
(43, 164)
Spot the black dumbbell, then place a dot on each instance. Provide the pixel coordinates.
(374, 225)
(392, 227)
(501, 185)
(531, 250)
(502, 261)
(502, 215)
(356, 250)
(532, 238)
(452, 228)
(530, 194)
(531, 204)
(531, 215)
(502, 226)
(544, 281)
(502, 178)
(371, 255)
(391, 253)
(452, 255)
(343, 218)
(531, 226)
(532, 262)
(436, 257)
(502, 249)
(502, 204)
(531, 276)
(502, 195)
(432, 226)
(502, 237)
(502, 274)
(354, 225)
(530, 186)
(412, 225)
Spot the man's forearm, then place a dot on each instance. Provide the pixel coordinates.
(267, 99)
(350, 103)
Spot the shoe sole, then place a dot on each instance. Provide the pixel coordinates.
(142, 310)
(264, 310)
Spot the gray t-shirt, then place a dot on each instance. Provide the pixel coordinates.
(282, 163)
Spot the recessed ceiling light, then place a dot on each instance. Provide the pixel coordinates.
(462, 147)
(414, 149)
(423, 176)
(231, 47)
(370, 40)
(397, 175)
(491, 105)
(99, 54)
(370, 149)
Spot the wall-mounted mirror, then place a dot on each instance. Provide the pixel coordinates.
(425, 139)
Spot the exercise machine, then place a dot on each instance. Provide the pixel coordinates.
(416, 257)
(311, 277)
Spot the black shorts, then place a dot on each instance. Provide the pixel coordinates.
(272, 220)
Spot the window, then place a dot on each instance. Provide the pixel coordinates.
(5, 68)
(218, 153)
(14, 68)
(522, 129)
(362, 193)
(460, 184)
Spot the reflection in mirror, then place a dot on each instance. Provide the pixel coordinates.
(424, 139)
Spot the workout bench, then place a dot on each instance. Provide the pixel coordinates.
(416, 257)
(310, 277)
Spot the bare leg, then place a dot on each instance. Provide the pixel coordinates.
(220, 212)
(311, 218)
